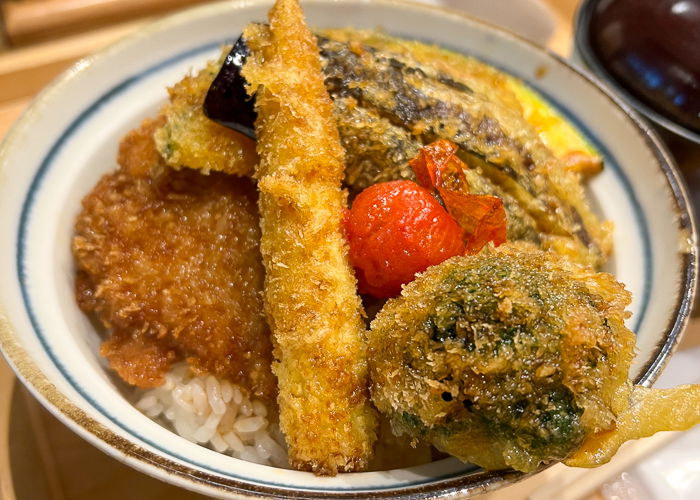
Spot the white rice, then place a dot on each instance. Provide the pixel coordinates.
(215, 413)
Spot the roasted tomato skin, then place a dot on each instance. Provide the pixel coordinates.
(395, 230)
(482, 217)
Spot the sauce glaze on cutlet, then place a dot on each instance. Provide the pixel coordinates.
(169, 262)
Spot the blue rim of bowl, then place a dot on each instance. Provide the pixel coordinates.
(41, 332)
(481, 480)
(582, 41)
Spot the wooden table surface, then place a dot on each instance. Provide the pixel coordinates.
(40, 458)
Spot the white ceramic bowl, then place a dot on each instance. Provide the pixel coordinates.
(68, 138)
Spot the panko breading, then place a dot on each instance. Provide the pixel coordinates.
(137, 153)
(188, 138)
(509, 358)
(169, 262)
(393, 96)
(310, 291)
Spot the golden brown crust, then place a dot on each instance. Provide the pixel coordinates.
(170, 262)
(507, 358)
(646, 412)
(310, 296)
(138, 155)
(188, 138)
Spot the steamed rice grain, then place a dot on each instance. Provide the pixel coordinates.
(215, 413)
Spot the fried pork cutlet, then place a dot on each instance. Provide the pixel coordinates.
(169, 262)
(310, 290)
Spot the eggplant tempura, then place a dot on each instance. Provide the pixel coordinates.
(188, 139)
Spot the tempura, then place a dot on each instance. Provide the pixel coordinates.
(169, 262)
(509, 358)
(310, 299)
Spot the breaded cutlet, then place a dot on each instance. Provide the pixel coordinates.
(169, 262)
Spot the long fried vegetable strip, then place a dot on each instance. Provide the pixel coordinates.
(311, 301)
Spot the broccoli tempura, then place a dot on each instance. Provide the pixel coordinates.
(507, 358)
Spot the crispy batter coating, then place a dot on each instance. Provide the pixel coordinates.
(392, 96)
(649, 411)
(562, 156)
(169, 261)
(310, 298)
(400, 81)
(507, 358)
(188, 138)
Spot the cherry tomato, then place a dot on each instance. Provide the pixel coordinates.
(395, 230)
(482, 217)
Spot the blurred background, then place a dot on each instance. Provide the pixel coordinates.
(41, 38)
(42, 459)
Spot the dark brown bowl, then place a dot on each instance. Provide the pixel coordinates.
(647, 51)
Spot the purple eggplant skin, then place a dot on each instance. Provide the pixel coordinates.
(388, 106)
(227, 102)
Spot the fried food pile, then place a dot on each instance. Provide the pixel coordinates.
(513, 357)
(170, 262)
(311, 300)
(391, 97)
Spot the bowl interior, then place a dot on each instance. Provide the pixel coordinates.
(69, 138)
